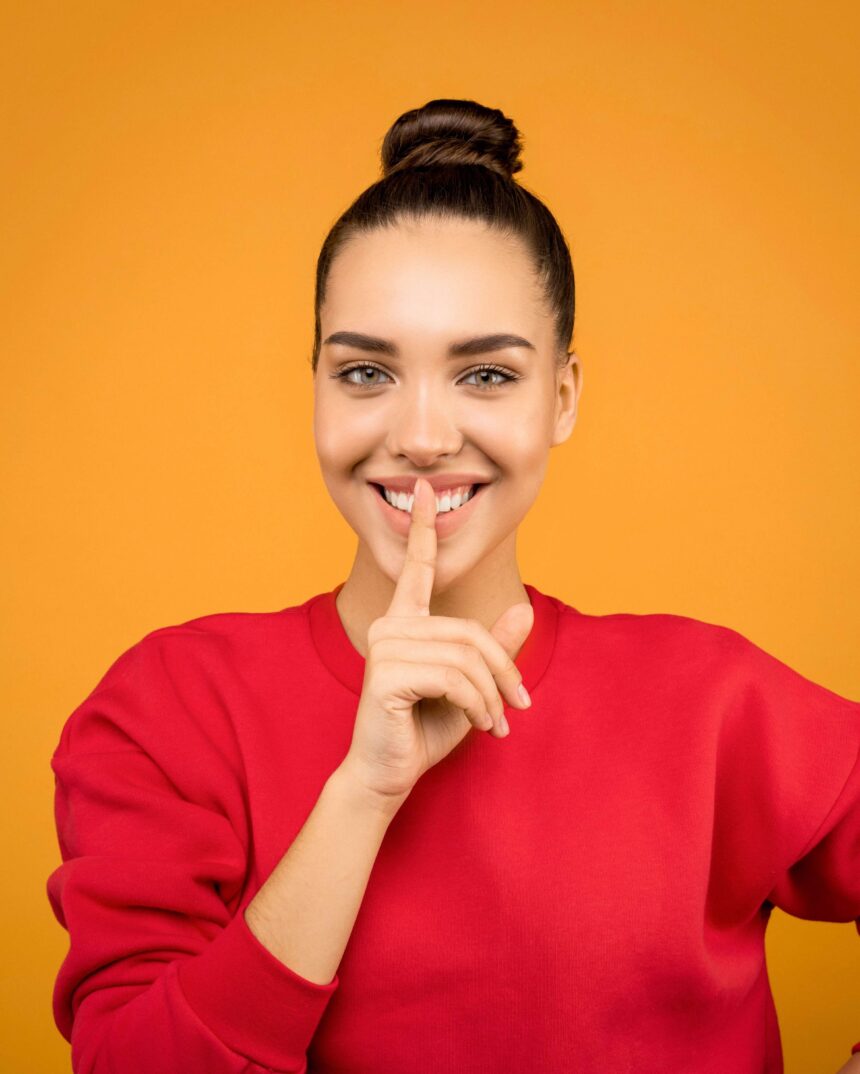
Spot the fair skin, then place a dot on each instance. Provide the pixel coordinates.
(424, 286)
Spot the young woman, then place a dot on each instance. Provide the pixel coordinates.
(288, 843)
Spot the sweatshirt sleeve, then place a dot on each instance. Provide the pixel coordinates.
(790, 758)
(162, 971)
(823, 884)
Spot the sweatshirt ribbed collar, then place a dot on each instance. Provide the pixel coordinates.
(347, 664)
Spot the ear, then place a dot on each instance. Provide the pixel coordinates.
(568, 391)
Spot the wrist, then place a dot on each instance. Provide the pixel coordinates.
(346, 781)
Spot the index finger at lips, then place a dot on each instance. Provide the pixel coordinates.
(415, 584)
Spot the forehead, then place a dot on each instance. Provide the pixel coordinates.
(437, 276)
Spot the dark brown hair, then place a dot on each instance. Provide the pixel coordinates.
(456, 159)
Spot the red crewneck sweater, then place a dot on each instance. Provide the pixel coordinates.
(587, 895)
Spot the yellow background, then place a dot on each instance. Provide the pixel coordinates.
(172, 171)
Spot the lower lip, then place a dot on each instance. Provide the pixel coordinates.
(447, 522)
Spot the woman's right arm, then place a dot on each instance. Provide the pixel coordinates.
(165, 970)
(305, 912)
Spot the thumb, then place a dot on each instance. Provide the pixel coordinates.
(513, 627)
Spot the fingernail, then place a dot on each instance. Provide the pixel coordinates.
(524, 695)
(503, 723)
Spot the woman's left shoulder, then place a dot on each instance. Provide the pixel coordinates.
(700, 645)
(661, 633)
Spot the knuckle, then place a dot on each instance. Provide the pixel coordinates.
(466, 653)
(382, 649)
(452, 676)
(377, 630)
(380, 667)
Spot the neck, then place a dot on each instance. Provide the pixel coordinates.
(483, 594)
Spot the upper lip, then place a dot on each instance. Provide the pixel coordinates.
(406, 483)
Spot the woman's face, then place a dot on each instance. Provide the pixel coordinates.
(404, 403)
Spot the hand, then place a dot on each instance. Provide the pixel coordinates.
(429, 678)
(852, 1066)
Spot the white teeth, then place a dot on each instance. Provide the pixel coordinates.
(449, 501)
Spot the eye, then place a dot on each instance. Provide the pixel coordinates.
(361, 367)
(492, 369)
(343, 374)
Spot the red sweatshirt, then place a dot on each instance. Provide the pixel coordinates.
(589, 894)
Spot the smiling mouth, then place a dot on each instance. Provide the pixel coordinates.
(473, 492)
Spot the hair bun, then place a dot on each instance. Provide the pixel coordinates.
(446, 132)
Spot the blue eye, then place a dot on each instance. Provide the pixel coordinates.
(344, 374)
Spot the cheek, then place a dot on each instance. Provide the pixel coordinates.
(517, 440)
(342, 436)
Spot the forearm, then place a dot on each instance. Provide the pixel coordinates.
(305, 911)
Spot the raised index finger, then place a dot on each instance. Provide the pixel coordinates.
(415, 584)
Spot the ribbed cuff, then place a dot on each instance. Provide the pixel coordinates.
(251, 1001)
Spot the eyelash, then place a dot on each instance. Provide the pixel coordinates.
(340, 374)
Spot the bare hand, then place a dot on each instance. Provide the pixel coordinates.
(428, 679)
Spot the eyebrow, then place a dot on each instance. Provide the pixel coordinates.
(478, 345)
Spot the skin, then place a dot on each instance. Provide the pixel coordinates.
(424, 285)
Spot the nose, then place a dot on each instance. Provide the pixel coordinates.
(423, 426)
